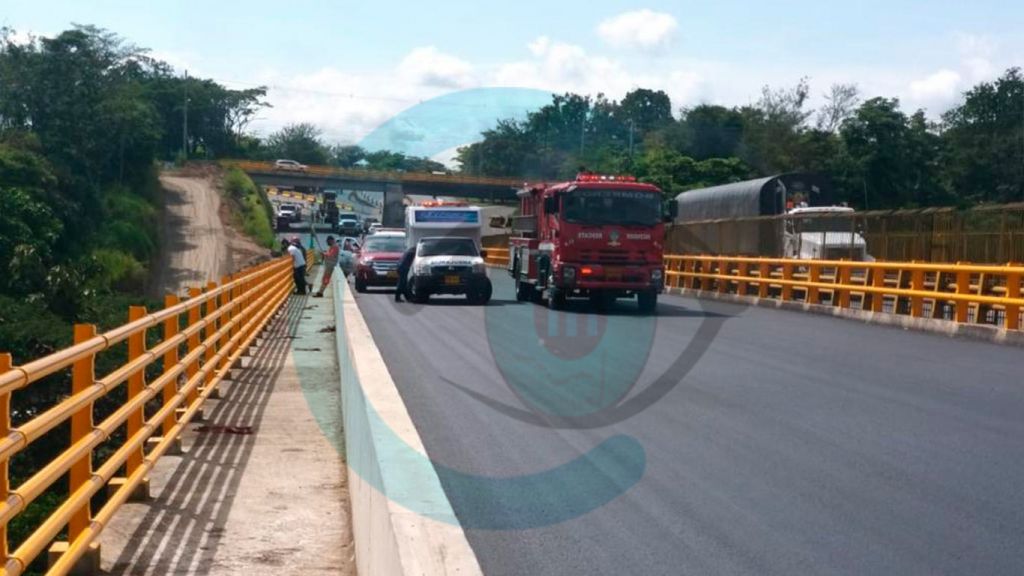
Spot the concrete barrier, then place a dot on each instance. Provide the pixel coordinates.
(387, 464)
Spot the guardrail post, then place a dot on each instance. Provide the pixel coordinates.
(742, 269)
(878, 281)
(764, 273)
(133, 426)
(193, 344)
(917, 285)
(724, 269)
(6, 364)
(1013, 310)
(171, 388)
(211, 330)
(225, 302)
(814, 277)
(843, 277)
(787, 275)
(83, 375)
(963, 286)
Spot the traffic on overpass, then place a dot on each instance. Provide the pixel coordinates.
(612, 298)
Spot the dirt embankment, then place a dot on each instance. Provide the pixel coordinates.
(199, 242)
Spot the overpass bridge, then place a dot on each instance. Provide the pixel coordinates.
(263, 432)
(393, 185)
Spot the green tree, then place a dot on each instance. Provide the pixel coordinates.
(300, 142)
(985, 137)
(897, 156)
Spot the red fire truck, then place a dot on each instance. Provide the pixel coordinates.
(596, 236)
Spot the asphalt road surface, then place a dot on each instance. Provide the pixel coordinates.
(753, 441)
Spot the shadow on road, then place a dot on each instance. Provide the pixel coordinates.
(181, 531)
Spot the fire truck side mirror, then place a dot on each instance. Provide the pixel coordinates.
(673, 210)
(551, 205)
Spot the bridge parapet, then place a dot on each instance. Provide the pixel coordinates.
(202, 338)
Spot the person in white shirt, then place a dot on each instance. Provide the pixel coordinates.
(298, 264)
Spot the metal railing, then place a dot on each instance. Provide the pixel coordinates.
(220, 324)
(373, 175)
(962, 293)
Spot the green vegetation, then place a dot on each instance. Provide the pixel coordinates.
(251, 207)
(877, 155)
(304, 143)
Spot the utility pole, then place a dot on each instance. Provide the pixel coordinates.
(583, 133)
(184, 122)
(631, 138)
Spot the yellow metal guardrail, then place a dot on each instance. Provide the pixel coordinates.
(374, 175)
(497, 256)
(271, 191)
(963, 293)
(222, 321)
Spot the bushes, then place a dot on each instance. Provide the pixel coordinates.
(250, 206)
(119, 270)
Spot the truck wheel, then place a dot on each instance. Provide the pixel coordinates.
(647, 301)
(556, 299)
(417, 296)
(360, 285)
(524, 290)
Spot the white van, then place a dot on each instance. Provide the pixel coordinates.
(449, 258)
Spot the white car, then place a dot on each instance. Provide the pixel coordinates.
(289, 166)
(289, 211)
(448, 265)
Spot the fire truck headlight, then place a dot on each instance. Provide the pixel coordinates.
(568, 274)
(657, 276)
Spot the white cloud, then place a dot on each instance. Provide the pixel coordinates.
(642, 29)
(428, 66)
(22, 37)
(976, 54)
(180, 62)
(938, 88)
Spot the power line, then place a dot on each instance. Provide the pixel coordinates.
(354, 96)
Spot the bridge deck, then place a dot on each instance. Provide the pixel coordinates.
(261, 487)
(785, 443)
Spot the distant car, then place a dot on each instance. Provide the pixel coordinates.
(290, 166)
(286, 214)
(349, 227)
(378, 261)
(373, 229)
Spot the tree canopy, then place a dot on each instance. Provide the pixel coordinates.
(878, 155)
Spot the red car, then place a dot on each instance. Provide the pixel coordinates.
(378, 261)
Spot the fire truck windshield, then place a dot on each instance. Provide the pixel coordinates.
(601, 206)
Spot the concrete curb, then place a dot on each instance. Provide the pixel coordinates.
(385, 456)
(942, 327)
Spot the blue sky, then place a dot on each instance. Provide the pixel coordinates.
(349, 66)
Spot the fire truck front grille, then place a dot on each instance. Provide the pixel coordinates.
(611, 257)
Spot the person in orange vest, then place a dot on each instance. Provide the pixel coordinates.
(330, 263)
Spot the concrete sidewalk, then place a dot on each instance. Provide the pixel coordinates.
(261, 487)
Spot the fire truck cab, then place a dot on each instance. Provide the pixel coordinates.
(599, 237)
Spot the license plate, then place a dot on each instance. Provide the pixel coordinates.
(613, 273)
(392, 274)
(451, 280)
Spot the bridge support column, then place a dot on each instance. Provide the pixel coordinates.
(393, 212)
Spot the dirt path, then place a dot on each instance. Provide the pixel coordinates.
(198, 247)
